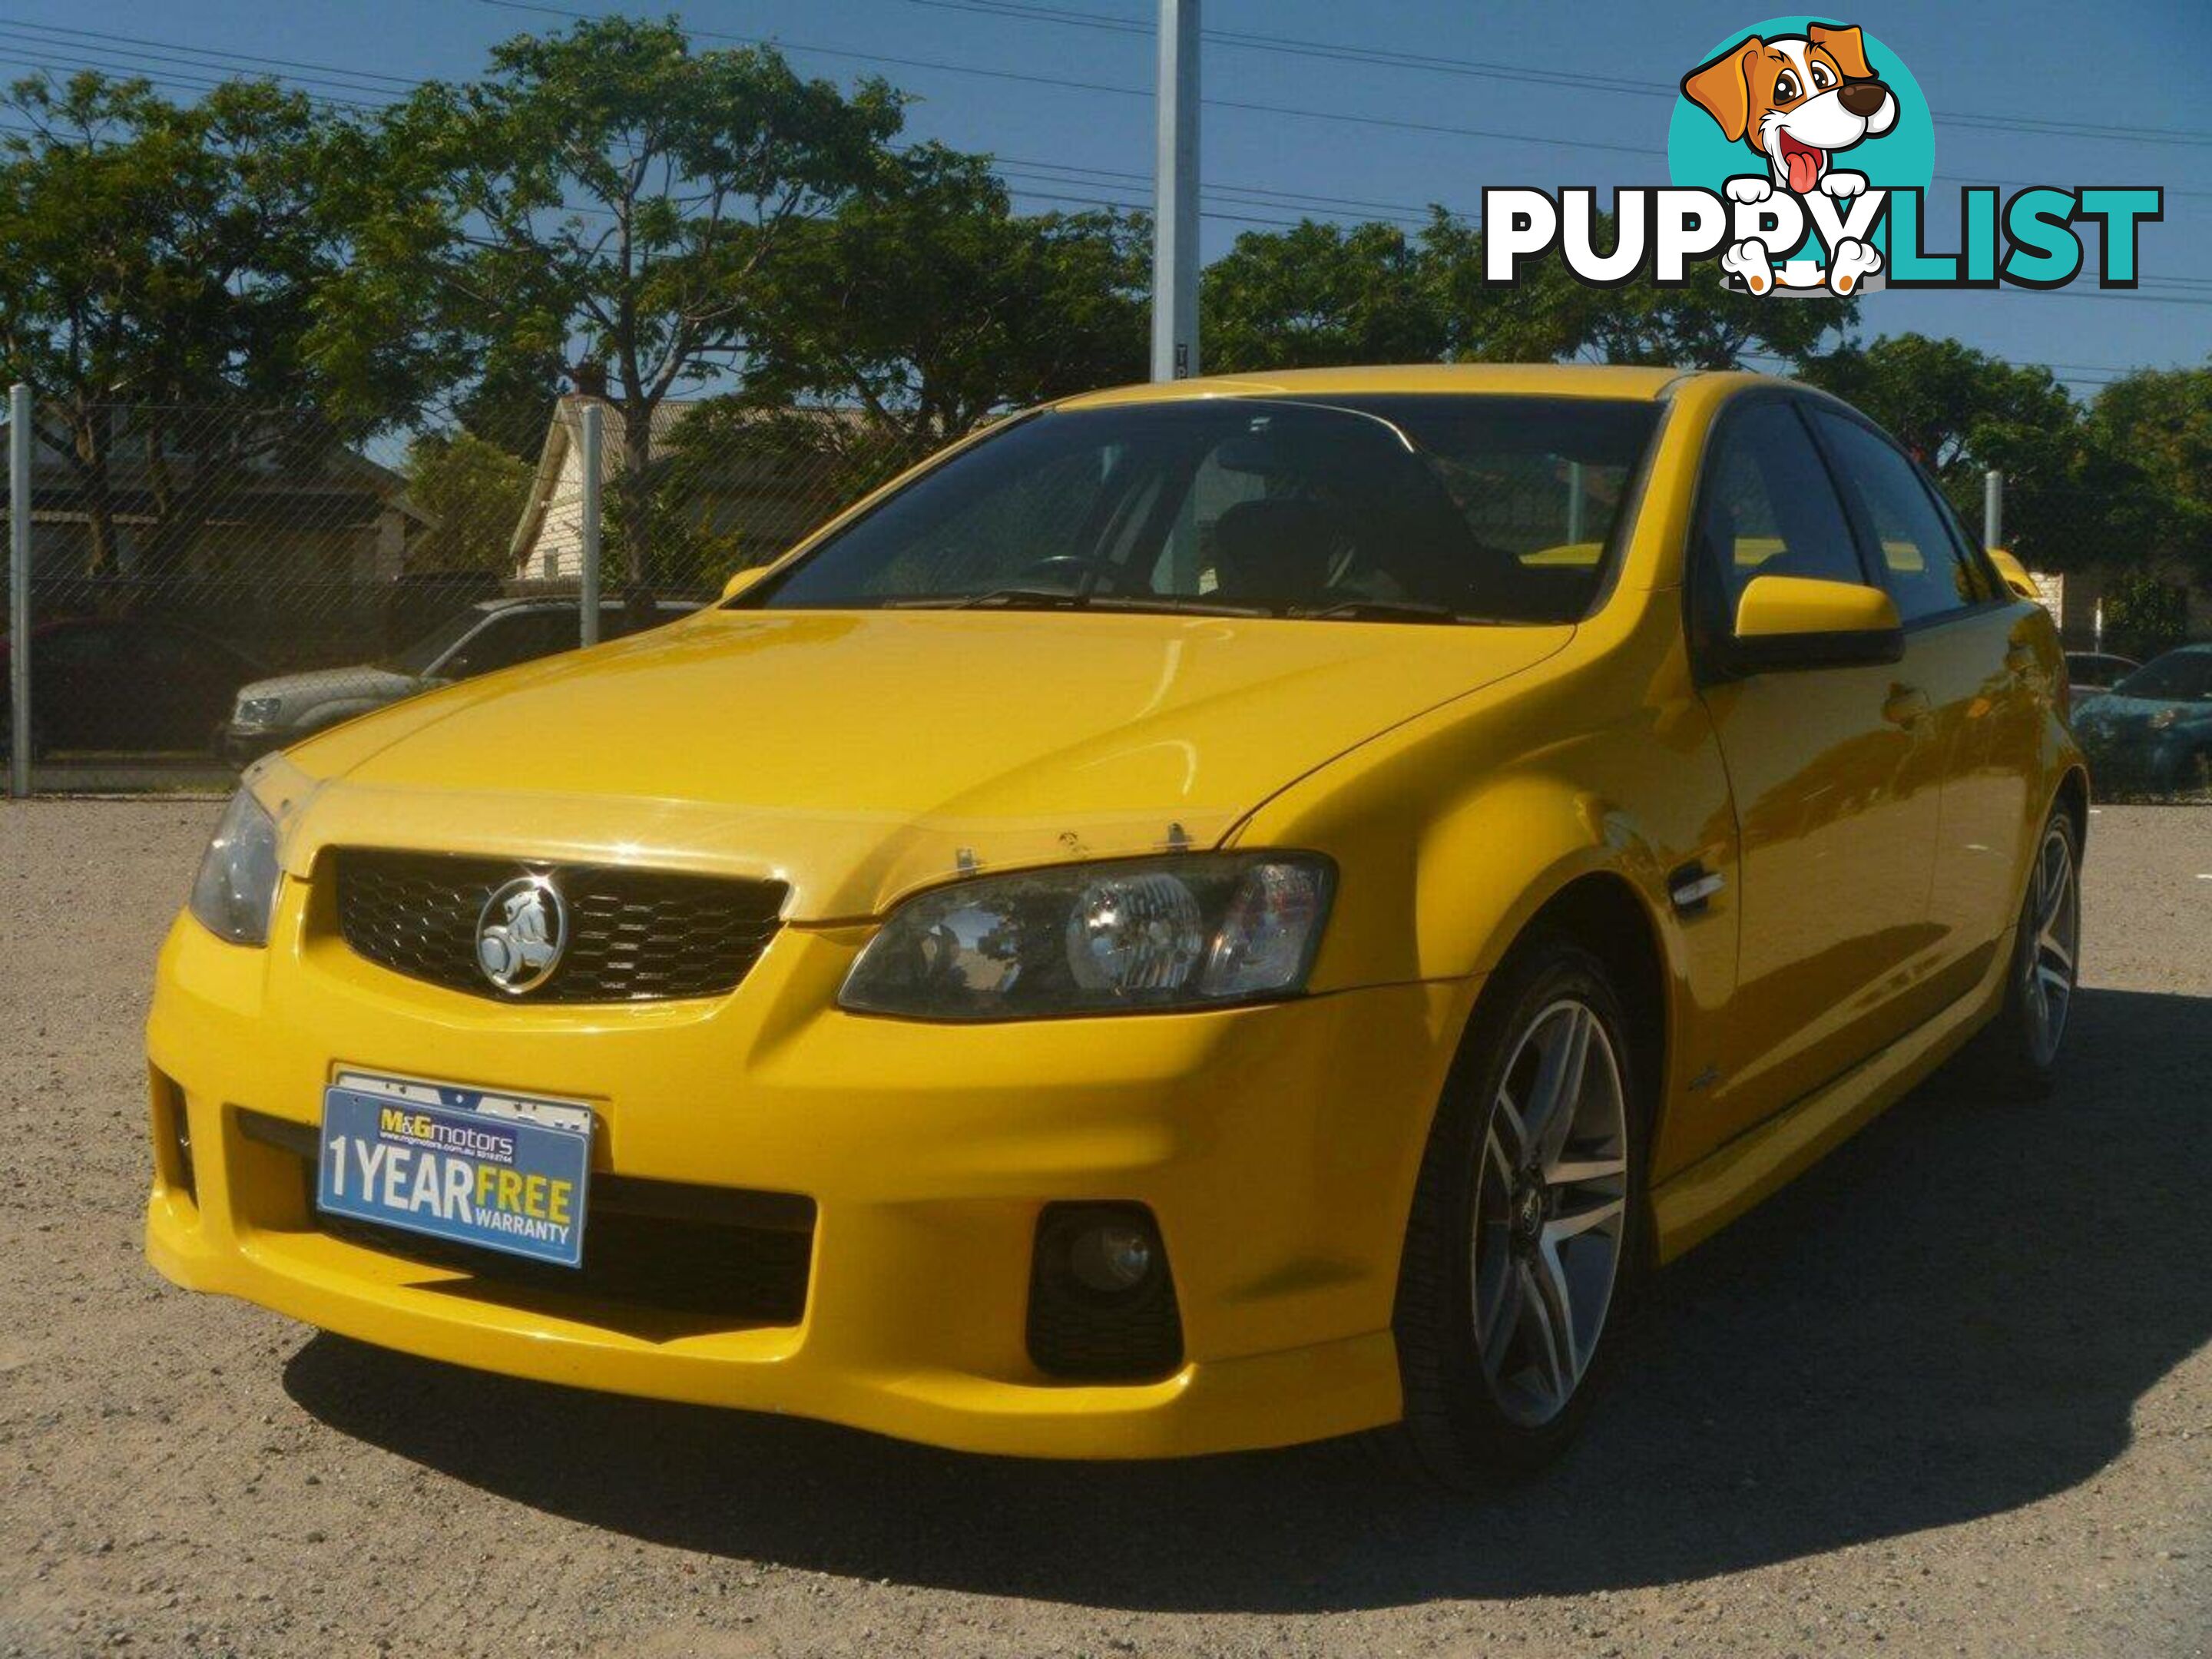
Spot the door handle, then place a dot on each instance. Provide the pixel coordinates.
(1905, 705)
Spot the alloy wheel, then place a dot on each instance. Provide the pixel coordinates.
(2054, 913)
(1550, 1212)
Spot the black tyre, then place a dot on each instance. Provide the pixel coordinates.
(1528, 1233)
(2017, 1051)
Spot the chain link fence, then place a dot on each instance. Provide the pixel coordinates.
(208, 583)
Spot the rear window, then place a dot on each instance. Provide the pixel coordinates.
(1475, 509)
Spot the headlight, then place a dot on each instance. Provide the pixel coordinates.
(258, 711)
(236, 887)
(2163, 718)
(1184, 932)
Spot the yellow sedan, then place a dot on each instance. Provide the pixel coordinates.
(1209, 916)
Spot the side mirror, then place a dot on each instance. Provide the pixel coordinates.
(1783, 623)
(741, 580)
(2015, 574)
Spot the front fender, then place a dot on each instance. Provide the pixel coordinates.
(1451, 832)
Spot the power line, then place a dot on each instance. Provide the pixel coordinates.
(1412, 215)
(398, 81)
(1019, 75)
(162, 54)
(1575, 80)
(1063, 83)
(1068, 193)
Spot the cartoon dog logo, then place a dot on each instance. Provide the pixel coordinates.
(1797, 101)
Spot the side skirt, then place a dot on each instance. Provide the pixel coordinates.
(1690, 1206)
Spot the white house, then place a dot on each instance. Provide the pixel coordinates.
(761, 497)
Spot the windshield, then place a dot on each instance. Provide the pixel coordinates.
(2180, 675)
(1430, 508)
(422, 656)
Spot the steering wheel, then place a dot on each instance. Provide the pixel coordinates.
(1074, 566)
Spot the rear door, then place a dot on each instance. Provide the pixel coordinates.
(1969, 651)
(1836, 780)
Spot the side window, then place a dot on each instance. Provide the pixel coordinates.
(516, 637)
(1927, 570)
(1767, 509)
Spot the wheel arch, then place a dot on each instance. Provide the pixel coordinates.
(1606, 913)
(2073, 794)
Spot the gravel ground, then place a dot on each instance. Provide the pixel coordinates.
(1952, 1394)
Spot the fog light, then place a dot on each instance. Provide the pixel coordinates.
(1111, 1259)
(1102, 1295)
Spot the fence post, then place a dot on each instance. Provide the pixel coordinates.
(594, 446)
(1992, 508)
(18, 589)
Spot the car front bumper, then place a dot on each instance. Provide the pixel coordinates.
(1277, 1146)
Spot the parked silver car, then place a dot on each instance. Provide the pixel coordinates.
(270, 714)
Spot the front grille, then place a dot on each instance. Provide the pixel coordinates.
(727, 1257)
(635, 935)
(736, 1276)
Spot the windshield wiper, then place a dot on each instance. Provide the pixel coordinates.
(1041, 598)
(1379, 611)
(999, 598)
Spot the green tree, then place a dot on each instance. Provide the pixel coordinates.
(473, 492)
(927, 303)
(607, 191)
(1321, 294)
(1963, 411)
(2143, 616)
(154, 256)
(2155, 427)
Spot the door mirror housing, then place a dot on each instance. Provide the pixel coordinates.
(1783, 623)
(741, 580)
(2015, 574)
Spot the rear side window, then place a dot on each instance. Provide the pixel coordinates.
(1928, 572)
(1767, 509)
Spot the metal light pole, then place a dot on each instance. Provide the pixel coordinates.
(1175, 203)
(19, 588)
(1993, 508)
(593, 459)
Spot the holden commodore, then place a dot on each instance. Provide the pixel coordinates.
(1207, 916)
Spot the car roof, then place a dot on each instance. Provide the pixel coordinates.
(1465, 380)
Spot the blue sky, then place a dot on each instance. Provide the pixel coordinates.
(2130, 64)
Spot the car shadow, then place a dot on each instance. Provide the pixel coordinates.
(1952, 1316)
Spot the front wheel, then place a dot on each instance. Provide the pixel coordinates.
(1527, 1222)
(2021, 1046)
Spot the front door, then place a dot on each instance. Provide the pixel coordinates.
(1836, 775)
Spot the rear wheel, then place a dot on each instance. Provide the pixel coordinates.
(2021, 1047)
(1528, 1224)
